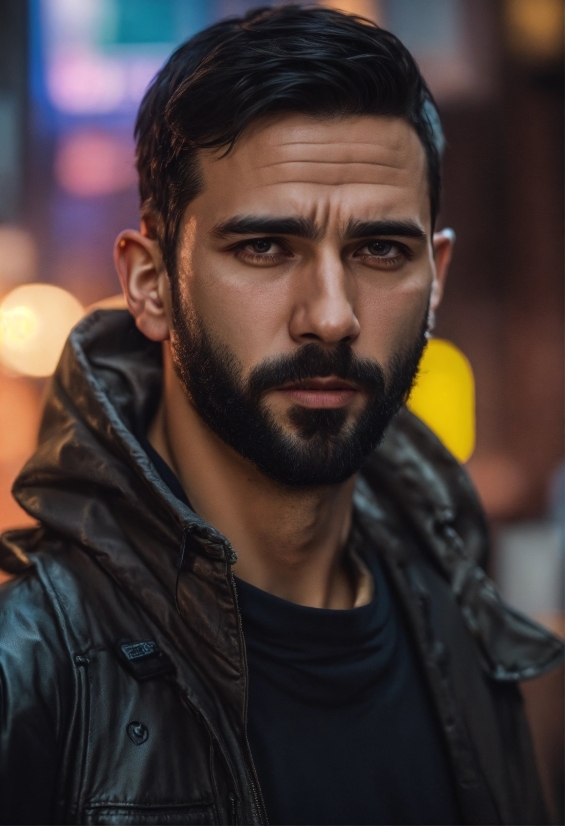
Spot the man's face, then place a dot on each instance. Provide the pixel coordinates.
(303, 281)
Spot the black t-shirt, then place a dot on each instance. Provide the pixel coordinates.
(340, 724)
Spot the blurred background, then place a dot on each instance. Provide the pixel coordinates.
(72, 73)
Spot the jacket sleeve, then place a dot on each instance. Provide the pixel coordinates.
(35, 701)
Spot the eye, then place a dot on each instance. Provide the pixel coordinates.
(383, 249)
(260, 245)
(262, 252)
(383, 254)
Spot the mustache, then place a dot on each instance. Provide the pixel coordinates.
(312, 361)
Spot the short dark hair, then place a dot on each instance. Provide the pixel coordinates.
(294, 59)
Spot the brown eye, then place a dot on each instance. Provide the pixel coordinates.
(260, 245)
(262, 252)
(381, 248)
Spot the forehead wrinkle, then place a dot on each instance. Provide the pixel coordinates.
(333, 173)
(349, 209)
(344, 147)
(336, 142)
(335, 184)
(347, 155)
(330, 163)
(299, 175)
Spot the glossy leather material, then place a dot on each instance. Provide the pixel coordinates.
(90, 736)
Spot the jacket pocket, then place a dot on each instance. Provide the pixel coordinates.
(108, 814)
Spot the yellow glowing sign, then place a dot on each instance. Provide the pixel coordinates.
(444, 397)
(35, 320)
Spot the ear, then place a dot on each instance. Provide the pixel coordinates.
(144, 281)
(443, 242)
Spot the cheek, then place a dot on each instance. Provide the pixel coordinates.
(390, 317)
(248, 313)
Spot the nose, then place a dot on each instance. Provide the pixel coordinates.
(323, 308)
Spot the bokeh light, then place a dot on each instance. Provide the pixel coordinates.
(364, 8)
(18, 256)
(20, 411)
(535, 28)
(444, 397)
(35, 320)
(91, 162)
(83, 83)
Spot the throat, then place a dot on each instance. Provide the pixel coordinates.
(290, 541)
(293, 544)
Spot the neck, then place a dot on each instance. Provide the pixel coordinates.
(289, 541)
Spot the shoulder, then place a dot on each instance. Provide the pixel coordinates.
(38, 678)
(59, 596)
(58, 605)
(36, 675)
(37, 687)
(35, 660)
(429, 483)
(433, 494)
(27, 615)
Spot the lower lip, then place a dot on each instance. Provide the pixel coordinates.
(320, 398)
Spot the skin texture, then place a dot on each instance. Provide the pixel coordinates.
(268, 296)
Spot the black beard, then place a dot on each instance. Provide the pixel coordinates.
(324, 450)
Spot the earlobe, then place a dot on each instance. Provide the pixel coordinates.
(144, 282)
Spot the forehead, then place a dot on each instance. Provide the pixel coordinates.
(362, 167)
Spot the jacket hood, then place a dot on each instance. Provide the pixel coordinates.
(100, 400)
(92, 482)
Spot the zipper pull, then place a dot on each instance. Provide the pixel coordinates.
(233, 810)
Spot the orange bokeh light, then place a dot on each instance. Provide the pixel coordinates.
(35, 320)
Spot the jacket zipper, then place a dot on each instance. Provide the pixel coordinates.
(81, 663)
(254, 783)
(233, 810)
(231, 557)
(232, 797)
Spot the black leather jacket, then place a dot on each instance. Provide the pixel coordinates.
(123, 677)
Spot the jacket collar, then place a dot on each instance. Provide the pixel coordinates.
(91, 481)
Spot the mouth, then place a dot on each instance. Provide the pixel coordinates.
(322, 393)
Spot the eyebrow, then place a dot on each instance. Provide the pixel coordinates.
(305, 228)
(400, 229)
(255, 224)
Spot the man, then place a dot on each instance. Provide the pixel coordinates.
(242, 604)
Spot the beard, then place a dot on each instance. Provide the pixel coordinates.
(324, 448)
